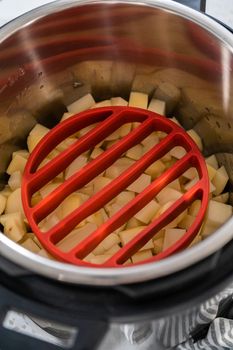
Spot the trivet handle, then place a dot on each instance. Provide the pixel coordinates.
(87, 334)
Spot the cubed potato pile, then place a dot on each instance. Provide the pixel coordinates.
(14, 222)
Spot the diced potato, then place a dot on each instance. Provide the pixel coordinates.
(105, 103)
(98, 218)
(207, 230)
(62, 146)
(72, 202)
(100, 259)
(49, 222)
(88, 189)
(140, 184)
(223, 198)
(190, 174)
(124, 197)
(99, 250)
(158, 245)
(146, 214)
(175, 185)
(150, 141)
(14, 203)
(113, 250)
(138, 99)
(129, 234)
(177, 220)
(191, 183)
(96, 152)
(141, 256)
(75, 166)
(75, 237)
(15, 180)
(187, 221)
(18, 163)
(220, 180)
(168, 194)
(89, 257)
(66, 116)
(85, 130)
(133, 222)
(100, 182)
(47, 189)
(6, 191)
(118, 101)
(45, 254)
(135, 152)
(118, 167)
(171, 236)
(81, 104)
(195, 207)
(178, 152)
(155, 169)
(2, 203)
(110, 241)
(212, 160)
(31, 245)
(211, 171)
(125, 129)
(14, 226)
(218, 213)
(22, 152)
(36, 134)
(157, 106)
(196, 138)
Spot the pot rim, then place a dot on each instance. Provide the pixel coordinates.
(139, 273)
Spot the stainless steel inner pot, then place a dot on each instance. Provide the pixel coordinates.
(55, 54)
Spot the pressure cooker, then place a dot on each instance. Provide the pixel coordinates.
(50, 57)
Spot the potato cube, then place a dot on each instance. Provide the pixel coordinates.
(49, 222)
(157, 106)
(100, 182)
(146, 214)
(223, 198)
(196, 240)
(18, 163)
(100, 259)
(88, 189)
(98, 218)
(45, 254)
(168, 194)
(129, 234)
(187, 222)
(72, 202)
(135, 152)
(14, 226)
(49, 188)
(175, 185)
(118, 101)
(220, 180)
(207, 230)
(124, 197)
(29, 244)
(75, 166)
(110, 241)
(155, 169)
(178, 152)
(218, 213)
(64, 145)
(140, 184)
(195, 207)
(191, 183)
(141, 256)
(2, 203)
(6, 191)
(196, 138)
(171, 236)
(14, 203)
(118, 167)
(191, 173)
(212, 160)
(158, 245)
(15, 180)
(132, 223)
(211, 171)
(36, 134)
(21, 152)
(75, 237)
(125, 129)
(81, 104)
(113, 250)
(96, 152)
(138, 99)
(150, 141)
